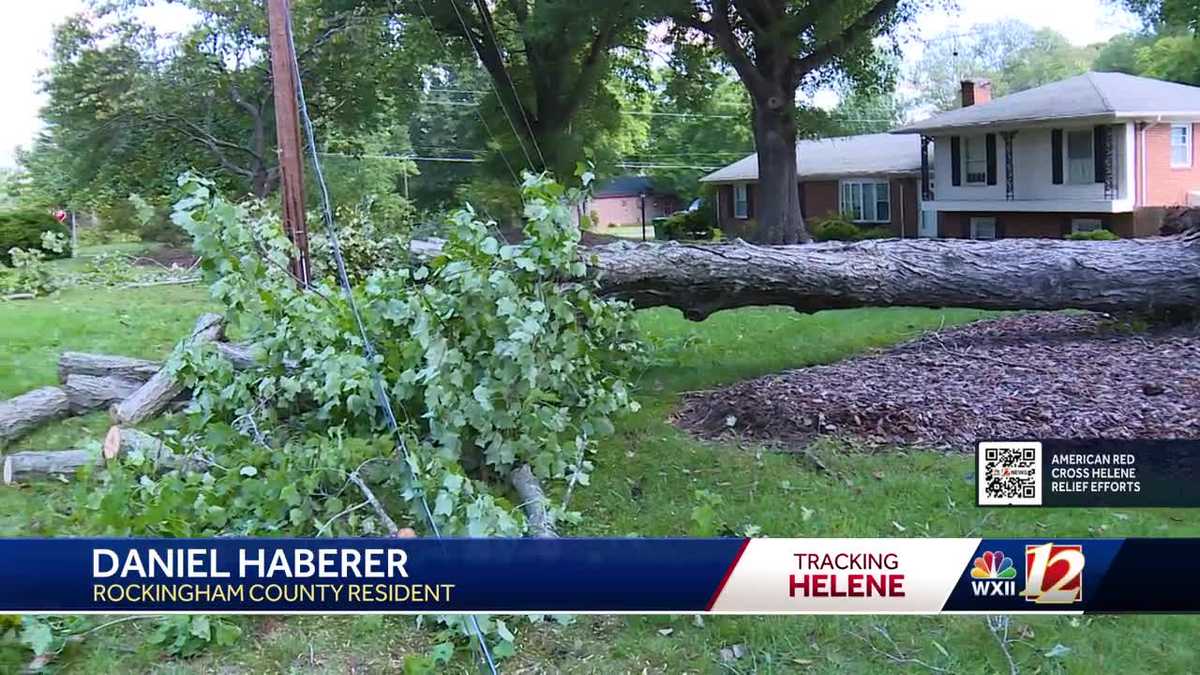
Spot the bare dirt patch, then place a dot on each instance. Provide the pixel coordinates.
(1048, 375)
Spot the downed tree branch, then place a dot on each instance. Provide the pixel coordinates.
(105, 365)
(20, 415)
(29, 465)
(88, 392)
(533, 502)
(1161, 273)
(380, 512)
(164, 386)
(21, 466)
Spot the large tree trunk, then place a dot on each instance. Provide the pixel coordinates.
(777, 194)
(1131, 274)
(20, 415)
(88, 392)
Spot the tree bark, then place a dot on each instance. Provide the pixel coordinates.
(777, 194)
(533, 502)
(21, 467)
(105, 365)
(1159, 274)
(121, 441)
(88, 392)
(163, 387)
(20, 415)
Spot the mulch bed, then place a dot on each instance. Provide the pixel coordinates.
(166, 256)
(1046, 375)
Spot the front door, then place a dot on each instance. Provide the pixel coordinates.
(928, 227)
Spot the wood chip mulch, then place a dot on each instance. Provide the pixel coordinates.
(1046, 375)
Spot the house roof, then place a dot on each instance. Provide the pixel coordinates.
(1088, 96)
(865, 155)
(625, 186)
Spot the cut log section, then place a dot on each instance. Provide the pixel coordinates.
(120, 441)
(158, 392)
(105, 365)
(20, 415)
(533, 502)
(88, 392)
(20, 467)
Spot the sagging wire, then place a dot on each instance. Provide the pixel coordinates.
(381, 394)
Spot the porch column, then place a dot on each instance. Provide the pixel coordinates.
(926, 188)
(1009, 193)
(1110, 183)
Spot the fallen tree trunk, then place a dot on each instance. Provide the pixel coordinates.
(88, 392)
(20, 415)
(1161, 274)
(1158, 274)
(163, 387)
(105, 365)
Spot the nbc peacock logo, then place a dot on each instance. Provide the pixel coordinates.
(993, 574)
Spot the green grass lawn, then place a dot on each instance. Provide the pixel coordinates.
(646, 482)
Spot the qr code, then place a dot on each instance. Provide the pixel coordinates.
(1009, 473)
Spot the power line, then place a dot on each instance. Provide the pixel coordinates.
(381, 393)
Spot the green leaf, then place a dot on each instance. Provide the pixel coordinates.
(248, 471)
(37, 635)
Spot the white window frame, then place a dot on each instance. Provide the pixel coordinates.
(741, 197)
(1089, 176)
(1186, 146)
(1086, 225)
(968, 160)
(851, 204)
(977, 221)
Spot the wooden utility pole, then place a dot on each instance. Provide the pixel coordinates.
(287, 130)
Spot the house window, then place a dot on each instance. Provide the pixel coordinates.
(975, 160)
(866, 201)
(1081, 165)
(741, 201)
(983, 228)
(1085, 225)
(1181, 145)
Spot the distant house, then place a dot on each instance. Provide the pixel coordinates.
(620, 201)
(1100, 150)
(872, 178)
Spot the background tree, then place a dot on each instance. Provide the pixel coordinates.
(776, 47)
(1011, 53)
(130, 108)
(548, 63)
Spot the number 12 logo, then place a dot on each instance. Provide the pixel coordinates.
(1053, 573)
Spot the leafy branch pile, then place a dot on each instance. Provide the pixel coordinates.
(28, 272)
(496, 356)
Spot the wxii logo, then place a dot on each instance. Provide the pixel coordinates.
(993, 574)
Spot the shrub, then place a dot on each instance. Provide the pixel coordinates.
(23, 229)
(684, 225)
(841, 228)
(835, 228)
(1094, 235)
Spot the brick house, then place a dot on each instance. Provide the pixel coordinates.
(621, 200)
(873, 178)
(1099, 150)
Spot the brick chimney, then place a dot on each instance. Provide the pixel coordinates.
(976, 90)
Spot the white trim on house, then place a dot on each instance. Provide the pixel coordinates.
(1034, 205)
(852, 202)
(741, 197)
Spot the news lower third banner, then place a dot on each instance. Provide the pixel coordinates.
(750, 576)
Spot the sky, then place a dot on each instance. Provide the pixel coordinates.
(26, 29)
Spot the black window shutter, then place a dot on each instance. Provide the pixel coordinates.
(1056, 156)
(955, 161)
(1099, 151)
(991, 159)
(750, 199)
